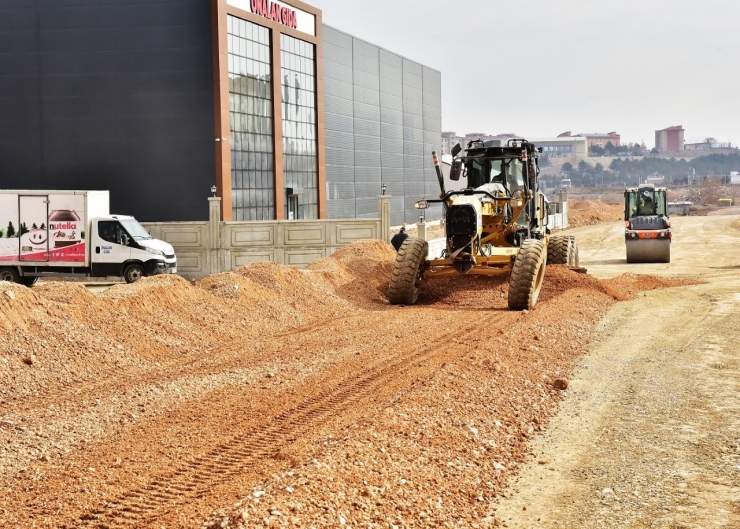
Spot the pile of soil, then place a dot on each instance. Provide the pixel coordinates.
(290, 396)
(586, 212)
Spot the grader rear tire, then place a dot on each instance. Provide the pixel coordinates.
(574, 258)
(558, 250)
(527, 275)
(407, 272)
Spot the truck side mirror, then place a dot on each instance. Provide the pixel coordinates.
(455, 170)
(456, 150)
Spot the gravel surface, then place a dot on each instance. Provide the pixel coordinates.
(649, 435)
(281, 396)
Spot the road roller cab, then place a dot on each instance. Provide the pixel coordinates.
(647, 228)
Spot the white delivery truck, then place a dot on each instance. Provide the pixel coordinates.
(72, 234)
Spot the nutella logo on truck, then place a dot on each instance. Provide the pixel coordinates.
(276, 12)
(63, 226)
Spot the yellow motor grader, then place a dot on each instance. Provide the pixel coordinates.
(496, 225)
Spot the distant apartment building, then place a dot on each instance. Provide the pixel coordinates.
(595, 139)
(600, 140)
(575, 147)
(670, 139)
(473, 136)
(449, 140)
(707, 145)
(699, 146)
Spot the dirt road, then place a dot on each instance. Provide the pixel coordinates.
(649, 434)
(278, 397)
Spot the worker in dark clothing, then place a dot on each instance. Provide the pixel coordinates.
(398, 238)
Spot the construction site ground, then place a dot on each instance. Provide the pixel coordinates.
(279, 397)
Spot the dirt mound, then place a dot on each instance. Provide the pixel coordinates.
(359, 272)
(16, 304)
(558, 279)
(585, 212)
(235, 287)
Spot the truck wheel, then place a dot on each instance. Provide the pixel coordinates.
(133, 273)
(527, 275)
(9, 274)
(29, 281)
(557, 250)
(407, 272)
(574, 258)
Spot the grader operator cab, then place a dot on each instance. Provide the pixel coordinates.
(647, 228)
(496, 225)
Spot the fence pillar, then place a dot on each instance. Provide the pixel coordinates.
(421, 230)
(564, 207)
(214, 235)
(384, 209)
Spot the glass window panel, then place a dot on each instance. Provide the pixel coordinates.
(250, 88)
(299, 135)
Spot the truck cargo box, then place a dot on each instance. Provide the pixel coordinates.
(48, 228)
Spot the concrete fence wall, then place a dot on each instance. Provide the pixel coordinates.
(558, 220)
(211, 247)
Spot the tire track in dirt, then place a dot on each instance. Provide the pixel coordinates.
(219, 359)
(195, 480)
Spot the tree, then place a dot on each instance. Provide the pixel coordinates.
(610, 149)
(596, 150)
(710, 189)
(2, 234)
(615, 165)
(636, 150)
(34, 227)
(583, 167)
(24, 229)
(567, 168)
(10, 232)
(43, 226)
(711, 141)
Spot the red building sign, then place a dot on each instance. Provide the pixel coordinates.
(275, 11)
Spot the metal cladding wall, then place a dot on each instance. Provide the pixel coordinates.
(114, 95)
(383, 119)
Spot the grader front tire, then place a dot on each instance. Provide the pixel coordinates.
(407, 270)
(527, 275)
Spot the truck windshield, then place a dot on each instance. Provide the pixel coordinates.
(135, 229)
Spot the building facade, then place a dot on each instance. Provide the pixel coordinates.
(573, 147)
(158, 101)
(383, 116)
(116, 96)
(449, 140)
(598, 139)
(595, 139)
(670, 139)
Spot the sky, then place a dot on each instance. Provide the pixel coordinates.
(543, 67)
